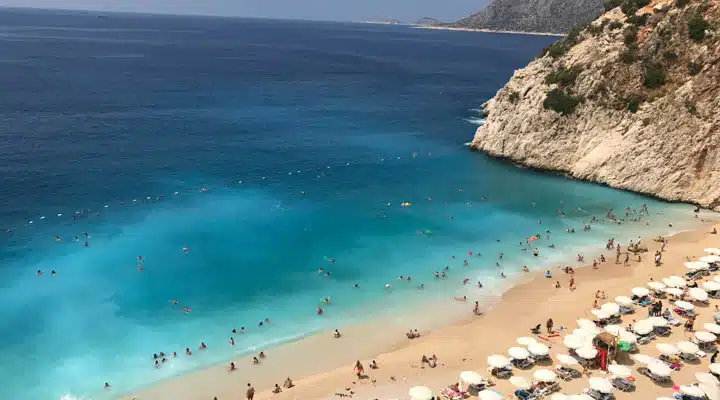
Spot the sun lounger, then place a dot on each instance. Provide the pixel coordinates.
(522, 364)
(451, 394)
(599, 396)
(645, 339)
(655, 378)
(673, 321)
(715, 294)
(662, 330)
(567, 373)
(524, 395)
(688, 357)
(501, 373)
(685, 313)
(623, 385)
(626, 310)
(547, 390)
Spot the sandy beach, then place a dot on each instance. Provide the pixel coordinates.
(322, 367)
(448, 28)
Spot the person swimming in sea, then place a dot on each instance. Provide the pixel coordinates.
(186, 249)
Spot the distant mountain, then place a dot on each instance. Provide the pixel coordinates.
(556, 16)
(427, 21)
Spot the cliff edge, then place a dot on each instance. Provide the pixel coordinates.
(632, 100)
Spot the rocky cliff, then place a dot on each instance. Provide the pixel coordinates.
(555, 16)
(632, 100)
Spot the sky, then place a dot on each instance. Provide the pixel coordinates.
(337, 10)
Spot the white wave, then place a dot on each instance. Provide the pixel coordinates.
(475, 121)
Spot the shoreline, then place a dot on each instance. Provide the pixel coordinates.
(317, 369)
(450, 28)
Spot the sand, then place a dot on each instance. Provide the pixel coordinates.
(322, 366)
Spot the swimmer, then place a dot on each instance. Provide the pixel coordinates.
(465, 263)
(53, 273)
(186, 310)
(186, 249)
(502, 275)
(320, 270)
(260, 324)
(525, 268)
(139, 259)
(232, 341)
(107, 386)
(261, 355)
(356, 286)
(479, 284)
(203, 346)
(387, 286)
(39, 273)
(86, 244)
(188, 352)
(234, 331)
(466, 281)
(319, 311)
(57, 238)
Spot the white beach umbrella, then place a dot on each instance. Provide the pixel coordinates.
(587, 352)
(614, 329)
(574, 341)
(643, 327)
(588, 331)
(684, 305)
(567, 360)
(518, 353)
(673, 291)
(498, 361)
(420, 393)
(624, 301)
(526, 340)
(489, 395)
(714, 368)
(610, 308)
(712, 328)
(582, 322)
(655, 285)
(696, 265)
(545, 375)
(640, 292)
(581, 396)
(620, 371)
(471, 377)
(644, 359)
(710, 259)
(711, 390)
(712, 250)
(706, 377)
(705, 337)
(698, 294)
(629, 337)
(520, 382)
(688, 347)
(658, 321)
(675, 281)
(711, 286)
(659, 368)
(538, 349)
(667, 349)
(600, 314)
(560, 396)
(601, 385)
(691, 390)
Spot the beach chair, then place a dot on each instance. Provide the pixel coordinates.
(626, 310)
(525, 395)
(599, 396)
(658, 380)
(685, 313)
(715, 294)
(567, 373)
(613, 320)
(501, 373)
(688, 357)
(523, 364)
(623, 385)
(451, 394)
(672, 321)
(662, 330)
(547, 390)
(645, 339)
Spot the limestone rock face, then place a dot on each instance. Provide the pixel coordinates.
(647, 117)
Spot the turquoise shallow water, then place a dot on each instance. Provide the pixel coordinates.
(307, 138)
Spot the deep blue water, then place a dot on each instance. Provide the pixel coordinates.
(306, 136)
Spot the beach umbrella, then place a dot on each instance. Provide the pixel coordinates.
(643, 359)
(659, 368)
(567, 360)
(684, 305)
(712, 328)
(712, 250)
(520, 382)
(600, 314)
(518, 353)
(711, 286)
(643, 327)
(640, 292)
(560, 396)
(420, 393)
(655, 285)
(538, 349)
(664, 398)
(698, 294)
(525, 341)
(471, 377)
(696, 265)
(620, 371)
(614, 329)
(675, 281)
(624, 301)
(629, 337)
(658, 321)
(710, 389)
(705, 337)
(688, 347)
(673, 291)
(588, 331)
(545, 375)
(587, 352)
(714, 368)
(498, 361)
(581, 396)
(691, 390)
(489, 395)
(706, 377)
(710, 259)
(582, 322)
(667, 349)
(610, 308)
(600, 385)
(574, 341)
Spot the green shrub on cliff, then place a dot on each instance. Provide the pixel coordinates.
(694, 68)
(560, 102)
(563, 78)
(697, 27)
(654, 76)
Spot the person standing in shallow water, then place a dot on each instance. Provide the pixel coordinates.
(250, 392)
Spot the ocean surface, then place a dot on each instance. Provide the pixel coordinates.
(237, 158)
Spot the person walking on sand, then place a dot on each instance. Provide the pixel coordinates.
(627, 259)
(572, 284)
(250, 392)
(359, 370)
(549, 325)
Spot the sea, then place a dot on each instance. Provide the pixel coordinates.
(184, 176)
